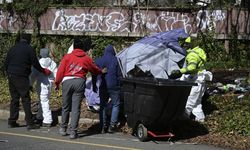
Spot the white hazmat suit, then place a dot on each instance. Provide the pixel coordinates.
(44, 83)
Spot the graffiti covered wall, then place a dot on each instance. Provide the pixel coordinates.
(108, 21)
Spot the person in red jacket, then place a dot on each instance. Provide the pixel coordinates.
(72, 73)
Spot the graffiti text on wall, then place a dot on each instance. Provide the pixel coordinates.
(107, 21)
(209, 20)
(118, 22)
(6, 18)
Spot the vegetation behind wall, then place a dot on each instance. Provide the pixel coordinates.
(217, 55)
(238, 54)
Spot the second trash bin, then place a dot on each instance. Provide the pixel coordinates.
(153, 104)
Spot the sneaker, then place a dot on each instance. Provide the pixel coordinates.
(104, 129)
(62, 131)
(48, 125)
(13, 125)
(112, 129)
(200, 120)
(73, 135)
(38, 122)
(33, 126)
(96, 108)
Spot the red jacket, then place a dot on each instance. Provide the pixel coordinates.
(78, 64)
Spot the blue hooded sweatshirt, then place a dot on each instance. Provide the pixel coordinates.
(109, 60)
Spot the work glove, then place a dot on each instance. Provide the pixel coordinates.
(175, 74)
(104, 70)
(46, 71)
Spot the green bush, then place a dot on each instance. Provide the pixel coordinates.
(4, 91)
(232, 115)
(5, 95)
(6, 41)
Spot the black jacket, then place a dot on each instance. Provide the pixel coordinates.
(20, 58)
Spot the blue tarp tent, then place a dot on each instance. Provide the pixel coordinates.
(158, 54)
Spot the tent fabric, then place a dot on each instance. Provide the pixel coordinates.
(92, 98)
(159, 54)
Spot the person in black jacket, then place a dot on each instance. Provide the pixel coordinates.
(17, 65)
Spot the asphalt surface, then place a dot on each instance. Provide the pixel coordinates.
(49, 139)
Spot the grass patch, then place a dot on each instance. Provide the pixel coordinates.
(232, 116)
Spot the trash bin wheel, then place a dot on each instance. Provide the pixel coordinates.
(142, 133)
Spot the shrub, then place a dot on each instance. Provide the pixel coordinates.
(232, 115)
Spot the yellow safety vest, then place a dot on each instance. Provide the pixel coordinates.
(195, 61)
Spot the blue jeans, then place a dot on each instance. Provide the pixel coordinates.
(114, 94)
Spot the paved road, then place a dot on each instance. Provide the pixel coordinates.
(49, 139)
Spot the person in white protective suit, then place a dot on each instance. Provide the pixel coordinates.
(44, 84)
(194, 71)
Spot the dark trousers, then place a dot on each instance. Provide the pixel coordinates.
(104, 97)
(39, 114)
(19, 89)
(114, 95)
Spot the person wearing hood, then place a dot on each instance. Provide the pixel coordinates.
(194, 71)
(44, 86)
(72, 73)
(109, 89)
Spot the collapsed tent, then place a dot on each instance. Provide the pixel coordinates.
(92, 98)
(158, 54)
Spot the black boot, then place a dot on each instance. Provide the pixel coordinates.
(33, 126)
(13, 125)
